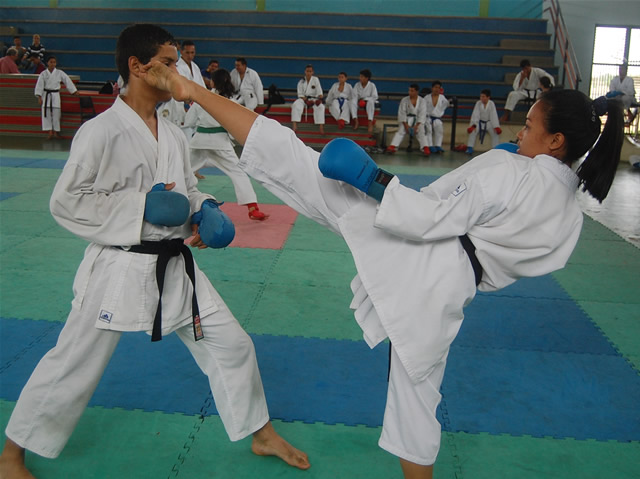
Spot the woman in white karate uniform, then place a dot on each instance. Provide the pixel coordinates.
(339, 100)
(211, 146)
(518, 213)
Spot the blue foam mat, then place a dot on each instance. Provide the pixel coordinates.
(31, 163)
(537, 393)
(6, 196)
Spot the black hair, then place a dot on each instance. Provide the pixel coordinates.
(343, 73)
(242, 60)
(308, 65)
(222, 82)
(437, 82)
(525, 63)
(214, 61)
(577, 117)
(187, 43)
(366, 73)
(487, 92)
(545, 82)
(142, 41)
(415, 86)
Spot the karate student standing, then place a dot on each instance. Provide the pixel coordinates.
(339, 100)
(412, 114)
(48, 93)
(128, 189)
(484, 118)
(436, 106)
(421, 255)
(309, 95)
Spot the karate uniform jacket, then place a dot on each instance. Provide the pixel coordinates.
(625, 86)
(100, 196)
(437, 110)
(335, 93)
(51, 80)
(369, 92)
(487, 113)
(251, 83)
(197, 116)
(533, 82)
(414, 278)
(407, 110)
(311, 88)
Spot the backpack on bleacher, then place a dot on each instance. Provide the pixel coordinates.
(275, 98)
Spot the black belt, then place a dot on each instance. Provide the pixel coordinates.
(48, 98)
(167, 249)
(477, 271)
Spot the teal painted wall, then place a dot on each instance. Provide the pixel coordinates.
(458, 8)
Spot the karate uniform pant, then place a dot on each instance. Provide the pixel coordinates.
(62, 384)
(299, 106)
(248, 99)
(227, 161)
(370, 108)
(338, 113)
(495, 138)
(516, 96)
(434, 131)
(51, 119)
(410, 429)
(418, 133)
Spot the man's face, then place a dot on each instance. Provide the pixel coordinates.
(484, 98)
(364, 80)
(167, 54)
(526, 70)
(308, 72)
(17, 42)
(188, 53)
(342, 78)
(241, 68)
(51, 64)
(213, 66)
(623, 72)
(435, 90)
(413, 93)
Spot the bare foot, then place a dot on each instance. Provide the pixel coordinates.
(198, 175)
(356, 124)
(12, 462)
(321, 130)
(267, 442)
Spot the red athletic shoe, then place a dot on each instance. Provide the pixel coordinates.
(256, 214)
(340, 124)
(391, 149)
(426, 151)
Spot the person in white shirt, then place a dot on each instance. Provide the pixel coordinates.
(436, 106)
(412, 114)
(422, 255)
(309, 96)
(365, 95)
(484, 118)
(339, 100)
(249, 89)
(525, 85)
(48, 92)
(623, 88)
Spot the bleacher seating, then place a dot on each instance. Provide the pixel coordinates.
(466, 53)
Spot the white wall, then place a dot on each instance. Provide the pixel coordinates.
(581, 18)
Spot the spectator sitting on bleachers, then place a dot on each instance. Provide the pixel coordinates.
(8, 62)
(365, 95)
(525, 85)
(246, 81)
(339, 100)
(309, 95)
(436, 106)
(484, 118)
(37, 47)
(22, 51)
(34, 65)
(207, 72)
(412, 114)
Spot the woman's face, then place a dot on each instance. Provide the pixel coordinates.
(533, 138)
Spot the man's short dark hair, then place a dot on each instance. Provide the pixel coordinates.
(415, 86)
(436, 82)
(187, 43)
(242, 60)
(142, 41)
(366, 73)
(487, 92)
(525, 63)
(214, 61)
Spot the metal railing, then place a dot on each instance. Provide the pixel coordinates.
(571, 76)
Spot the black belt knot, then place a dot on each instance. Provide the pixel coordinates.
(165, 250)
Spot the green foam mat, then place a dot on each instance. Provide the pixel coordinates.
(236, 264)
(482, 456)
(600, 282)
(314, 268)
(31, 224)
(309, 235)
(240, 297)
(591, 229)
(22, 179)
(44, 255)
(597, 251)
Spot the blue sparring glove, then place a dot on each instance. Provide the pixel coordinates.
(613, 94)
(510, 147)
(166, 208)
(344, 160)
(214, 227)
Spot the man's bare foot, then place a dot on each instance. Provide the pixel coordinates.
(356, 124)
(267, 442)
(12, 462)
(321, 129)
(198, 175)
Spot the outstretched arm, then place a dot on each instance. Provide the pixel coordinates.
(234, 118)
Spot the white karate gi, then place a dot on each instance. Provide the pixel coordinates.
(100, 196)
(340, 102)
(48, 87)
(485, 118)
(414, 278)
(249, 88)
(308, 90)
(625, 86)
(368, 93)
(214, 148)
(530, 87)
(433, 126)
(178, 110)
(412, 115)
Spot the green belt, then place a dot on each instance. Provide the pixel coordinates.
(215, 129)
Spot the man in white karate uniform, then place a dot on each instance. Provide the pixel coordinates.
(412, 114)
(526, 85)
(339, 100)
(365, 95)
(436, 106)
(48, 93)
(484, 118)
(623, 88)
(249, 89)
(309, 96)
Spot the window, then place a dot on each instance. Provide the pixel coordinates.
(614, 46)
